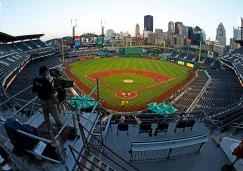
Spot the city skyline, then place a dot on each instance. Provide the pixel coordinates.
(53, 17)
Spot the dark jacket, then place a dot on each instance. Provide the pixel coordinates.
(43, 87)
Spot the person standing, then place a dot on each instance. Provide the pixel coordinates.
(47, 96)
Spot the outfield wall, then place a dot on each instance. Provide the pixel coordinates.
(127, 51)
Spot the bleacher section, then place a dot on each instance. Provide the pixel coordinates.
(191, 60)
(15, 53)
(194, 89)
(25, 78)
(10, 63)
(236, 60)
(223, 90)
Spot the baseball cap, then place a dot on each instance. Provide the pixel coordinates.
(43, 69)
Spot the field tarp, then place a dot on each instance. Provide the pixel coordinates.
(90, 103)
(161, 108)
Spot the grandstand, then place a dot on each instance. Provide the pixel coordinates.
(194, 88)
(191, 60)
(223, 90)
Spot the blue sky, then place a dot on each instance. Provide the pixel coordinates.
(53, 17)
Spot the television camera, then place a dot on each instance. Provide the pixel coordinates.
(60, 84)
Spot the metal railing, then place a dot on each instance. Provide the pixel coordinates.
(55, 141)
(191, 107)
(166, 149)
(89, 146)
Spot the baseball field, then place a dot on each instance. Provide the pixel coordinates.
(128, 84)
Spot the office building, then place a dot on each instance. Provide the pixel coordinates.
(236, 33)
(110, 33)
(221, 34)
(204, 36)
(233, 45)
(187, 41)
(183, 31)
(218, 48)
(171, 27)
(177, 41)
(137, 30)
(159, 32)
(148, 23)
(190, 34)
(198, 37)
(178, 25)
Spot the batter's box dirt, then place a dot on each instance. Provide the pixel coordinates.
(157, 77)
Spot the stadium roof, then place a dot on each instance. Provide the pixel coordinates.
(8, 38)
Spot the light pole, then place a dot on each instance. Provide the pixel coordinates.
(73, 25)
(199, 56)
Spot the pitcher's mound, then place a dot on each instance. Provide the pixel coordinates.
(128, 81)
(126, 95)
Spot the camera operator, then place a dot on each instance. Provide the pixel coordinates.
(47, 96)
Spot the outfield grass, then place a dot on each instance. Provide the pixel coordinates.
(82, 68)
(138, 81)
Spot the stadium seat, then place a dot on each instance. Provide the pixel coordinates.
(161, 127)
(145, 127)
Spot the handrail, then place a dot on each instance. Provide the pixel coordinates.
(15, 95)
(199, 94)
(88, 97)
(22, 107)
(34, 137)
(77, 160)
(107, 147)
(43, 157)
(107, 156)
(71, 148)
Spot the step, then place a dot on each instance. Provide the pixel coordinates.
(88, 164)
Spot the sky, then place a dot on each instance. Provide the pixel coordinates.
(53, 17)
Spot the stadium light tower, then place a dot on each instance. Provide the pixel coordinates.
(103, 30)
(74, 25)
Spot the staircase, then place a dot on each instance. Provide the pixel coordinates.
(87, 160)
(94, 163)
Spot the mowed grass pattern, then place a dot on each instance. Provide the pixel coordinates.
(139, 81)
(82, 68)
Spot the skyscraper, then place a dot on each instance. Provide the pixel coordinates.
(148, 23)
(237, 34)
(171, 27)
(190, 34)
(137, 31)
(159, 32)
(109, 33)
(221, 34)
(178, 25)
(204, 35)
(184, 31)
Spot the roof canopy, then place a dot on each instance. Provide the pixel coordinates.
(161, 108)
(8, 38)
(79, 101)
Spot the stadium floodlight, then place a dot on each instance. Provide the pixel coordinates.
(74, 22)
